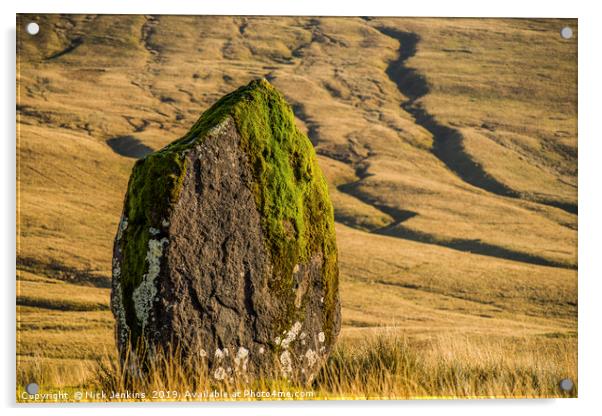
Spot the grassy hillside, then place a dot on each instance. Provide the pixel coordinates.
(449, 145)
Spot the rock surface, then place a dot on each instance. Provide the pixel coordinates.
(226, 248)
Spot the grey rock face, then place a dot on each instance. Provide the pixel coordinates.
(207, 286)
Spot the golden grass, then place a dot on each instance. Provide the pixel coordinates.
(383, 366)
(389, 367)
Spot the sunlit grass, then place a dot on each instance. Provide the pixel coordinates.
(386, 366)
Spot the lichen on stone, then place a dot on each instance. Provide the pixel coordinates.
(144, 294)
(122, 329)
(219, 373)
(286, 363)
(241, 359)
(311, 357)
(123, 225)
(291, 334)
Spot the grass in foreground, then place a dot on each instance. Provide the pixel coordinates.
(448, 367)
(381, 367)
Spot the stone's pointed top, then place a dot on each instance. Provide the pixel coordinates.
(257, 104)
(260, 83)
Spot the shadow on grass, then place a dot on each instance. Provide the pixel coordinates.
(60, 271)
(129, 146)
(447, 142)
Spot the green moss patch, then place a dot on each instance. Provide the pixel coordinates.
(290, 192)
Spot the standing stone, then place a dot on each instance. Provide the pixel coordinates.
(226, 247)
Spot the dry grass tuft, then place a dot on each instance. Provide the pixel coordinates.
(393, 367)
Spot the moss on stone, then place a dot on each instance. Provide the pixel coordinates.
(154, 184)
(289, 188)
